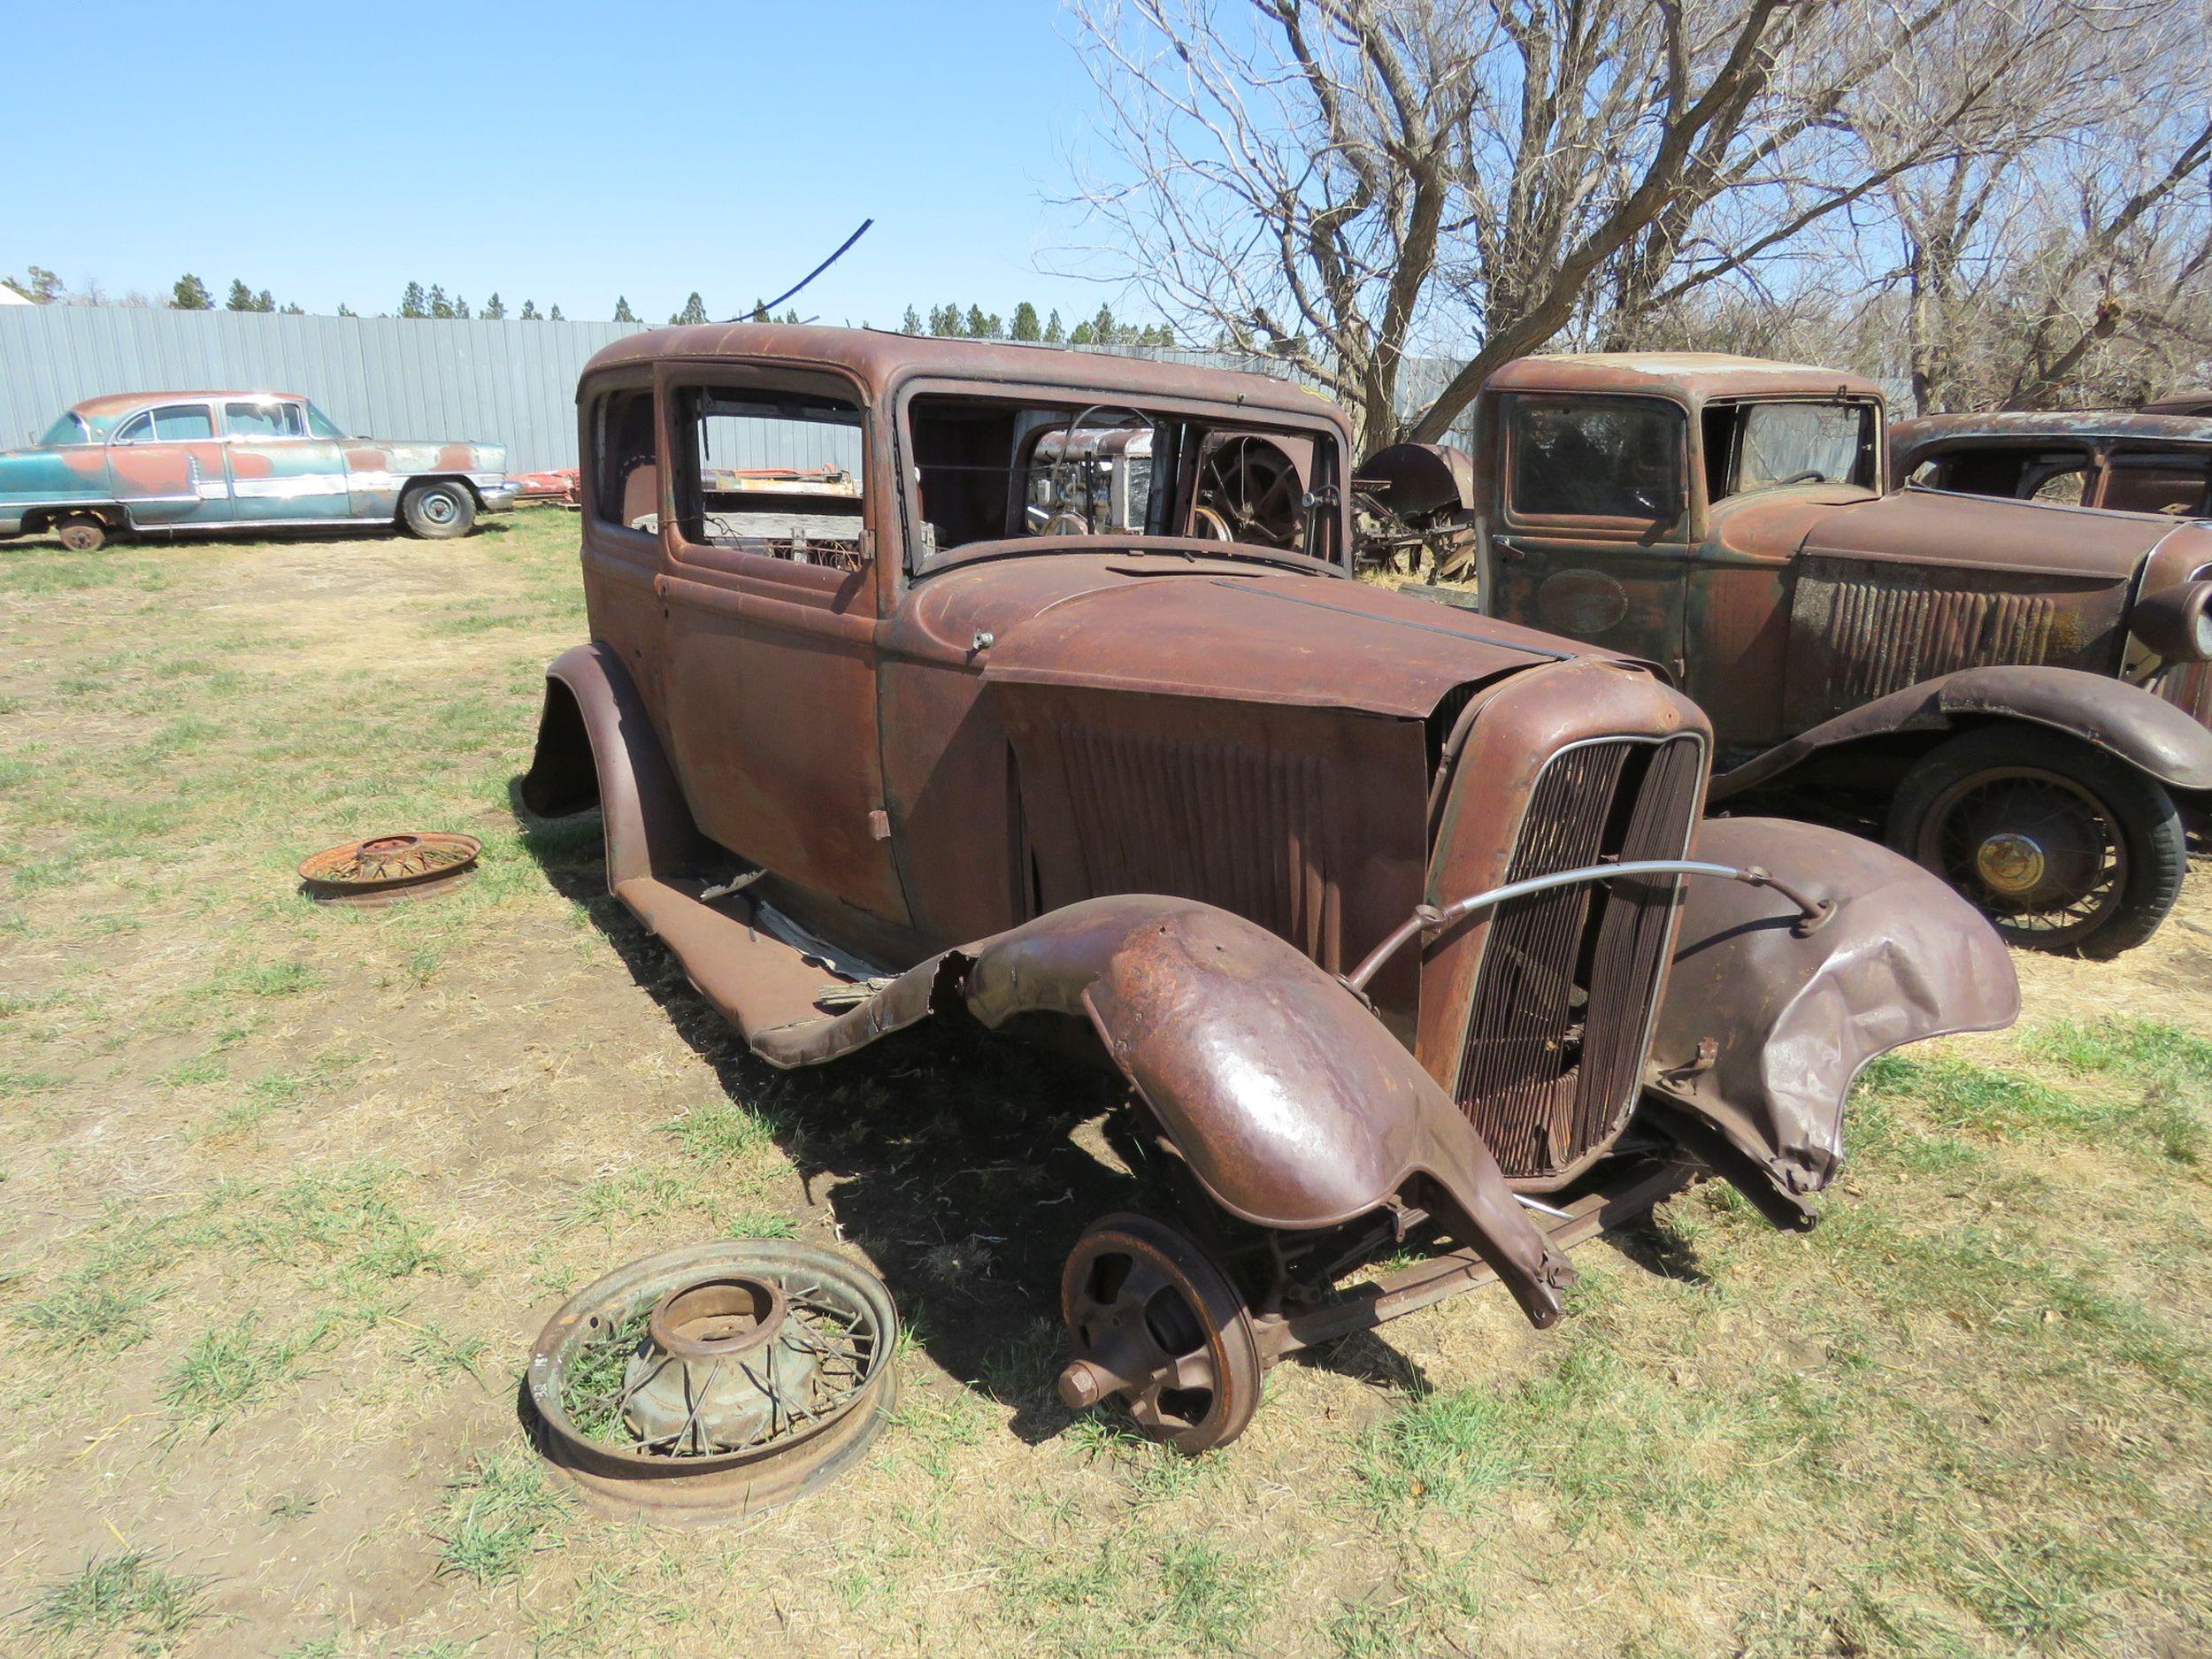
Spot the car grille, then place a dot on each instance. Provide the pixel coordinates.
(1563, 1002)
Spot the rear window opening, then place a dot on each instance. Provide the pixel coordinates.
(777, 473)
(990, 470)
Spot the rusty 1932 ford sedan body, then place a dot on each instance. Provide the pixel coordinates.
(1977, 672)
(148, 462)
(1401, 924)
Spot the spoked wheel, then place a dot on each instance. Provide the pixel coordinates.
(1251, 484)
(2063, 846)
(1153, 1320)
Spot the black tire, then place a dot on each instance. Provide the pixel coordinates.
(2064, 847)
(81, 532)
(438, 511)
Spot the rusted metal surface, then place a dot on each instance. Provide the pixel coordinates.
(710, 1383)
(228, 460)
(1814, 617)
(2195, 401)
(1160, 785)
(386, 869)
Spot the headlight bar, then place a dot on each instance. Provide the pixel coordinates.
(1428, 919)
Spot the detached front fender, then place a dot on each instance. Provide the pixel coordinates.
(1288, 1100)
(2124, 720)
(1764, 1027)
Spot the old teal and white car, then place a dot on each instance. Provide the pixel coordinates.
(165, 462)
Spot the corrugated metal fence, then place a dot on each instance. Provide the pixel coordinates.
(509, 382)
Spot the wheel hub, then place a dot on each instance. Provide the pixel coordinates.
(2010, 863)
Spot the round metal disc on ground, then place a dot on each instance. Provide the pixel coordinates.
(715, 1381)
(385, 869)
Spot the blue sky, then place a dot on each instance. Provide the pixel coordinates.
(563, 153)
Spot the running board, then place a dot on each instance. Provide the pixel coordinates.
(754, 980)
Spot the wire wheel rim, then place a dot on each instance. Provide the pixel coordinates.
(1142, 1303)
(1980, 823)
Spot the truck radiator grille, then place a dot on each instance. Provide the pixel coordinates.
(1563, 1002)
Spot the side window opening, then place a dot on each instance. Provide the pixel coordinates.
(137, 429)
(1752, 446)
(264, 420)
(180, 423)
(2175, 488)
(2063, 485)
(773, 473)
(1586, 458)
(626, 470)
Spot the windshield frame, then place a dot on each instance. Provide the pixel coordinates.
(1322, 427)
(75, 422)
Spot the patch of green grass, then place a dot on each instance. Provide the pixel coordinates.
(111, 1595)
(102, 1302)
(504, 1510)
(722, 1132)
(438, 1350)
(1210, 1595)
(2172, 1067)
(1455, 1449)
(591, 1392)
(227, 1369)
(346, 1217)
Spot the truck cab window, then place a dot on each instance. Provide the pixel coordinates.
(625, 490)
(773, 473)
(1585, 458)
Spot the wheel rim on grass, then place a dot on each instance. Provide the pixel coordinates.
(706, 1383)
(2036, 851)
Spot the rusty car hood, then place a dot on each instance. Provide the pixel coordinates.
(1233, 634)
(1936, 527)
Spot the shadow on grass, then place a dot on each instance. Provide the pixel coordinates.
(945, 1152)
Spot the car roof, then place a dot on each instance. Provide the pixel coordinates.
(2028, 425)
(878, 357)
(1687, 377)
(123, 403)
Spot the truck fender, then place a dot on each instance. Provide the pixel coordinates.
(2124, 720)
(597, 746)
(1278, 1088)
(1764, 1023)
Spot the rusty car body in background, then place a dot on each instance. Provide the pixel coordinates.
(1978, 673)
(146, 462)
(1386, 914)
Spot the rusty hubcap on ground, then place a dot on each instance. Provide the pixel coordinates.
(709, 1383)
(386, 868)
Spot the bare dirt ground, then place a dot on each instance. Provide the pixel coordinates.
(287, 1193)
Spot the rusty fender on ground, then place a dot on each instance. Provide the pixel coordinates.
(1763, 1028)
(2126, 721)
(1287, 1097)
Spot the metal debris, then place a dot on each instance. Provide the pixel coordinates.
(387, 869)
(712, 1382)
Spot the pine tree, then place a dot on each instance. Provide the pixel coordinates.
(460, 306)
(495, 308)
(529, 311)
(190, 295)
(411, 304)
(345, 310)
(291, 309)
(1055, 336)
(1082, 336)
(1026, 322)
(241, 298)
(622, 312)
(440, 307)
(1104, 330)
(790, 315)
(554, 316)
(911, 323)
(695, 310)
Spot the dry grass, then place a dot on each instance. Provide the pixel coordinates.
(288, 1192)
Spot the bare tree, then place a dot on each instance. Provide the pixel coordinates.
(1342, 182)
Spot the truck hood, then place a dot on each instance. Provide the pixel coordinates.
(1232, 634)
(1936, 527)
